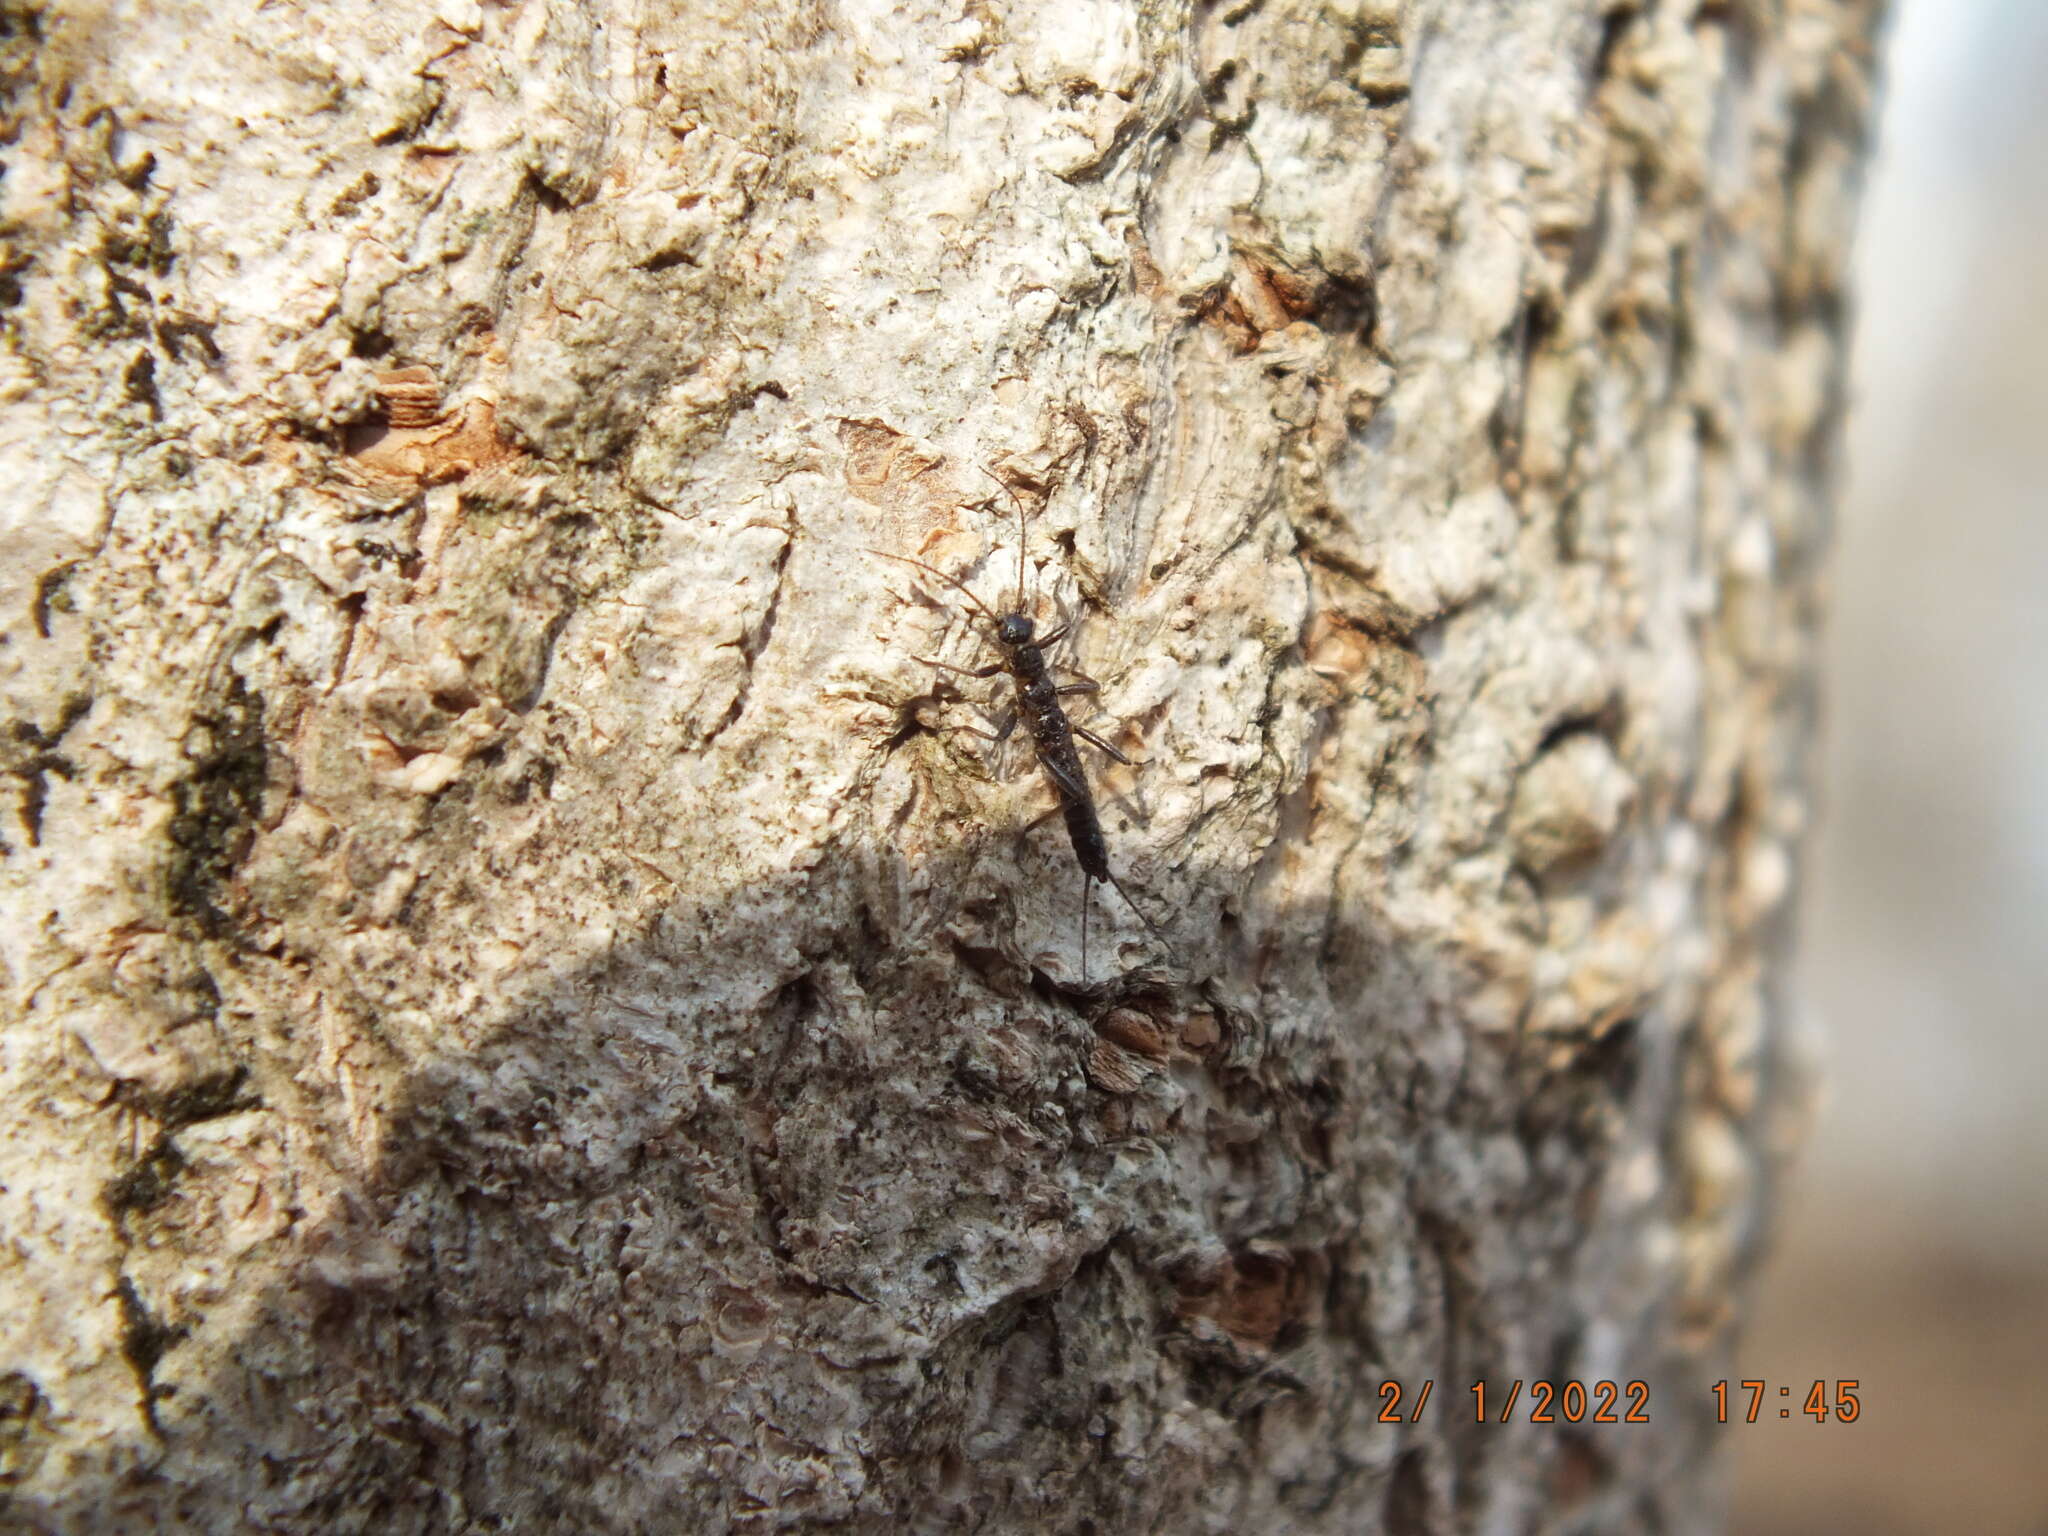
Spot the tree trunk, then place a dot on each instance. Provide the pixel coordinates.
(526, 1014)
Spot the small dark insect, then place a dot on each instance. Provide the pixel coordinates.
(1052, 733)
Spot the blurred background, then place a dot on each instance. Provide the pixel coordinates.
(1913, 1253)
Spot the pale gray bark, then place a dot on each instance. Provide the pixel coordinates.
(520, 1021)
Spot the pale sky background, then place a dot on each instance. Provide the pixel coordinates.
(1927, 919)
(1913, 1251)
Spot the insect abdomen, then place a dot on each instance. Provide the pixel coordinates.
(1084, 831)
(1039, 699)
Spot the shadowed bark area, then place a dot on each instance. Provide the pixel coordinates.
(525, 1014)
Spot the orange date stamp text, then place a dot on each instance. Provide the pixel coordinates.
(1538, 1402)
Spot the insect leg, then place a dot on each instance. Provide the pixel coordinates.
(1089, 736)
(1064, 781)
(1039, 820)
(971, 730)
(1087, 892)
(1091, 686)
(1005, 723)
(1055, 637)
(990, 670)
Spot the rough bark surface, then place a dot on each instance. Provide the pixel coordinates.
(523, 1018)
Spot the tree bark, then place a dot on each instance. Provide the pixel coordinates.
(525, 1015)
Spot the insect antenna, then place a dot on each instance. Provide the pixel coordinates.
(1087, 892)
(956, 585)
(1150, 926)
(1011, 492)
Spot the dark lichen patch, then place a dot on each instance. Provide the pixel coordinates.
(35, 790)
(147, 1184)
(536, 777)
(12, 267)
(24, 1427)
(217, 808)
(205, 1098)
(28, 754)
(135, 176)
(144, 1342)
(172, 334)
(21, 50)
(50, 596)
(145, 245)
(140, 384)
(74, 709)
(365, 186)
